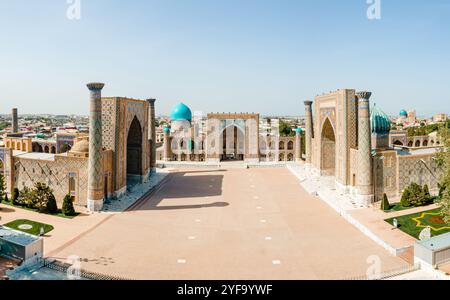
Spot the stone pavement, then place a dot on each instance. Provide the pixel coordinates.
(235, 223)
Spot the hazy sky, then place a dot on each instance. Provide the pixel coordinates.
(228, 55)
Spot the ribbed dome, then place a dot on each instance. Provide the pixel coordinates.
(181, 112)
(81, 147)
(403, 113)
(379, 121)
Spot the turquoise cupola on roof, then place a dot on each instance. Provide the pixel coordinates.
(166, 130)
(379, 121)
(403, 113)
(299, 130)
(181, 112)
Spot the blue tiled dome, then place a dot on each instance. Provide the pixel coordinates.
(299, 130)
(166, 130)
(380, 122)
(403, 113)
(181, 112)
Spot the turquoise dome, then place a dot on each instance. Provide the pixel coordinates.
(403, 113)
(181, 112)
(379, 121)
(166, 130)
(299, 130)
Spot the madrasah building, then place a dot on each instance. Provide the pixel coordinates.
(116, 154)
(343, 138)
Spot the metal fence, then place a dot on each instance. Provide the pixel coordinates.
(63, 267)
(389, 274)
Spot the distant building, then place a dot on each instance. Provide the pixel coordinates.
(440, 118)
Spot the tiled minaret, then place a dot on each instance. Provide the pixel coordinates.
(152, 132)
(15, 121)
(309, 130)
(364, 176)
(166, 152)
(95, 180)
(298, 145)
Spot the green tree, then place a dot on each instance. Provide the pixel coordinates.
(41, 195)
(444, 164)
(385, 205)
(67, 208)
(52, 207)
(426, 191)
(405, 198)
(15, 196)
(24, 198)
(2, 187)
(417, 196)
(285, 129)
(441, 189)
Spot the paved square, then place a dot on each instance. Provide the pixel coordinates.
(228, 224)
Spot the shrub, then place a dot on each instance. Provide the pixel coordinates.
(385, 205)
(442, 188)
(15, 196)
(405, 198)
(41, 195)
(67, 208)
(417, 196)
(2, 187)
(426, 191)
(25, 198)
(52, 207)
(6, 198)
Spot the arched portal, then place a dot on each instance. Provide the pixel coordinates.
(328, 149)
(232, 143)
(134, 149)
(398, 143)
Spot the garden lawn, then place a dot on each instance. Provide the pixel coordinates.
(35, 229)
(414, 224)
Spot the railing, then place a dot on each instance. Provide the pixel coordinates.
(388, 274)
(63, 267)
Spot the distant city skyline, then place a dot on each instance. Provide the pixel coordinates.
(246, 56)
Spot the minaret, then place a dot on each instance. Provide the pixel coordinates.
(298, 145)
(364, 176)
(166, 152)
(309, 131)
(95, 171)
(15, 121)
(152, 132)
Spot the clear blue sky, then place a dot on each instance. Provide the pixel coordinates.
(228, 55)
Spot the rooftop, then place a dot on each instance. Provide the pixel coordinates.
(417, 151)
(437, 243)
(17, 237)
(34, 155)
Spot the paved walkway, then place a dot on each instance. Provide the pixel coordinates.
(66, 230)
(229, 224)
(371, 218)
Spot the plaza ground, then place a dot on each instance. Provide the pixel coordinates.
(226, 224)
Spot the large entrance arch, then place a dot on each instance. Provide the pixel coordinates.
(328, 147)
(134, 149)
(232, 143)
